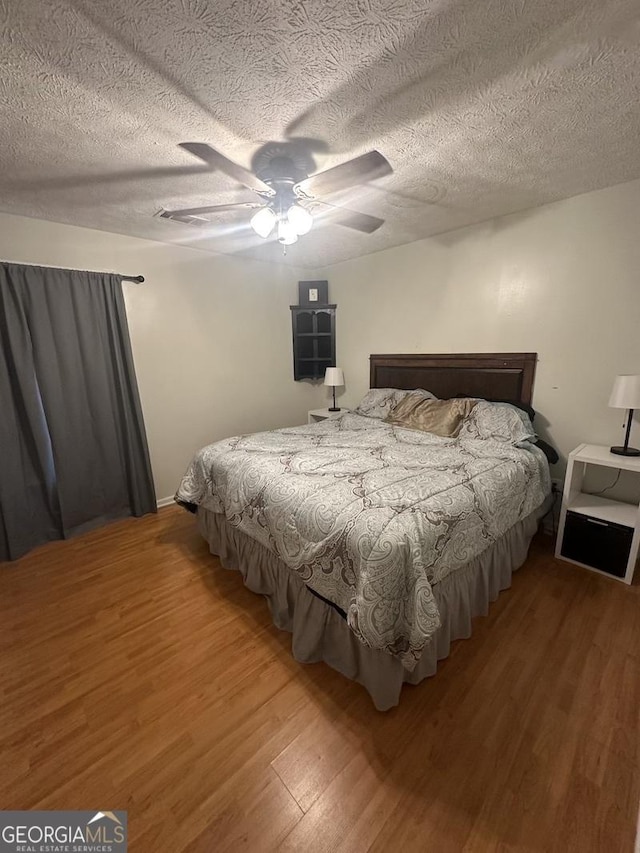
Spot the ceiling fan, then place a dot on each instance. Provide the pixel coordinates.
(281, 181)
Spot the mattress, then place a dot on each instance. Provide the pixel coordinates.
(371, 516)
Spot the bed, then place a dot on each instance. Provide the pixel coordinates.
(376, 545)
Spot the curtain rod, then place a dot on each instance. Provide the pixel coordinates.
(139, 279)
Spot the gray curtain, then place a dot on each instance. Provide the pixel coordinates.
(73, 449)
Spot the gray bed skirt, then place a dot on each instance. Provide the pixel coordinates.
(321, 634)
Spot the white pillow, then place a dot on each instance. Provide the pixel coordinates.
(498, 421)
(378, 402)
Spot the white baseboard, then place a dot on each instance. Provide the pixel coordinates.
(164, 502)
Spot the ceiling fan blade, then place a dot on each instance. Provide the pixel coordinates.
(212, 208)
(360, 170)
(198, 215)
(352, 218)
(228, 167)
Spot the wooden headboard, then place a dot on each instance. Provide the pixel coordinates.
(496, 375)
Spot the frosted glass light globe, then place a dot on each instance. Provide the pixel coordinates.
(286, 233)
(300, 218)
(263, 222)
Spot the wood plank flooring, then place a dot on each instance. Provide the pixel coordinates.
(136, 673)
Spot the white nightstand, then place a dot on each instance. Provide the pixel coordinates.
(596, 532)
(317, 415)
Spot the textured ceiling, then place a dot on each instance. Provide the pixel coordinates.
(482, 107)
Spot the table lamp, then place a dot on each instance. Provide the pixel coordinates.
(626, 395)
(334, 377)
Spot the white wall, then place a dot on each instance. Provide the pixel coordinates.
(211, 335)
(561, 280)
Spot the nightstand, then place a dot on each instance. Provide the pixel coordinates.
(596, 532)
(317, 415)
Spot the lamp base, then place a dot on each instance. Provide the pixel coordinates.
(338, 409)
(625, 451)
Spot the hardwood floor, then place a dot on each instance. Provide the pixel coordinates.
(137, 674)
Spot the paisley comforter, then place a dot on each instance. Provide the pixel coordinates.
(369, 515)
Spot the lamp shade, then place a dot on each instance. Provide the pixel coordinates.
(334, 377)
(626, 393)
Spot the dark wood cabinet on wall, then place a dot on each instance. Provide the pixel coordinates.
(314, 340)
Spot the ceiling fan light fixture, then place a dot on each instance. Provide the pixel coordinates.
(280, 178)
(300, 218)
(287, 234)
(263, 222)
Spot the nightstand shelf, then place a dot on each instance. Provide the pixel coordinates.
(316, 415)
(604, 509)
(595, 532)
